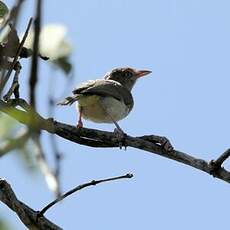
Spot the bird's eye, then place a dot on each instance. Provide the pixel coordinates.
(128, 74)
(116, 74)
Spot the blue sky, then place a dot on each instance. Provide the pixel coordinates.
(186, 98)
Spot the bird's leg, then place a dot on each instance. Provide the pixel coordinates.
(80, 123)
(118, 128)
(121, 135)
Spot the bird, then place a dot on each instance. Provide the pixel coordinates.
(106, 100)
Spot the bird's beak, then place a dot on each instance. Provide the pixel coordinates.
(141, 73)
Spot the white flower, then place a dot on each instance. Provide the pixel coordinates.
(53, 42)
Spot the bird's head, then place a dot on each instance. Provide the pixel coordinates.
(126, 76)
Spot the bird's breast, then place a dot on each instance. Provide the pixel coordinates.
(97, 108)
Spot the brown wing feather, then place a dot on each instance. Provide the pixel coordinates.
(102, 88)
(106, 88)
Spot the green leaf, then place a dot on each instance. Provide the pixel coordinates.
(3, 9)
(64, 64)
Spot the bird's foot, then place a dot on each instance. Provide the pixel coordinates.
(121, 136)
(79, 124)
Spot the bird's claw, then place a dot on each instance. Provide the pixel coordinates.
(79, 124)
(121, 136)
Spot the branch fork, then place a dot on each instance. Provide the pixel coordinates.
(216, 165)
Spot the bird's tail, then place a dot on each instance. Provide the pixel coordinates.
(68, 101)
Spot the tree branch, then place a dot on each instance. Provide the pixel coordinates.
(15, 84)
(98, 138)
(26, 214)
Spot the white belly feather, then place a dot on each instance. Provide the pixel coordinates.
(117, 109)
(94, 110)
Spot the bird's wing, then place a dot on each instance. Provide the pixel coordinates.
(84, 86)
(68, 100)
(77, 92)
(104, 88)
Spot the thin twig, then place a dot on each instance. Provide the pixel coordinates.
(6, 78)
(15, 85)
(34, 64)
(79, 187)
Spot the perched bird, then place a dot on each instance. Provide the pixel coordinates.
(106, 100)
